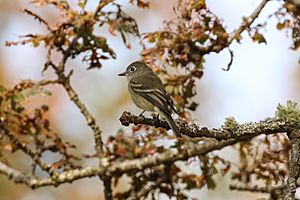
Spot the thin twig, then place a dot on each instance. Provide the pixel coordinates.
(43, 165)
(65, 82)
(276, 192)
(46, 82)
(263, 189)
(236, 34)
(101, 5)
(248, 21)
(145, 191)
(227, 68)
(41, 20)
(26, 84)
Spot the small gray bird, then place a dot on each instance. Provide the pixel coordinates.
(148, 93)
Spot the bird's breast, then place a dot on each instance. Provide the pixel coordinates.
(140, 102)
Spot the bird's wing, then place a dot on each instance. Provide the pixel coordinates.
(171, 104)
(152, 91)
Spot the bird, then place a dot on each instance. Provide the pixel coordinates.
(148, 93)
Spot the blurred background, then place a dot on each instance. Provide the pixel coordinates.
(261, 77)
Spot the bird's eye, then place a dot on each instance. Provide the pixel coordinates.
(132, 69)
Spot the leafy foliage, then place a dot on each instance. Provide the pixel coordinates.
(75, 33)
(30, 131)
(182, 44)
(263, 158)
(170, 178)
(289, 18)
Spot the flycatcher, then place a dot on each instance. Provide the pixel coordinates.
(148, 93)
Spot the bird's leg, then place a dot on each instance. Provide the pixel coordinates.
(140, 115)
(156, 117)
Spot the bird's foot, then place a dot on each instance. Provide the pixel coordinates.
(141, 114)
(156, 117)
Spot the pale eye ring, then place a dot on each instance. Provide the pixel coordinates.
(132, 69)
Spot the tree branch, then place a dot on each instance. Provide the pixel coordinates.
(123, 166)
(268, 126)
(286, 120)
(65, 82)
(13, 174)
(119, 167)
(263, 189)
(32, 182)
(107, 188)
(294, 165)
(274, 191)
(145, 191)
(34, 156)
(247, 21)
(235, 35)
(41, 20)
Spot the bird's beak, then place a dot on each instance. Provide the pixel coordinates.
(122, 74)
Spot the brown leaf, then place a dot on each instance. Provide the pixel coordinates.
(280, 26)
(138, 151)
(142, 4)
(121, 151)
(258, 37)
(9, 147)
(112, 29)
(147, 51)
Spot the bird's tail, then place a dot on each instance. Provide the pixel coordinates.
(171, 123)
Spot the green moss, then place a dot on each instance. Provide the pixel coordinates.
(289, 113)
(230, 124)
